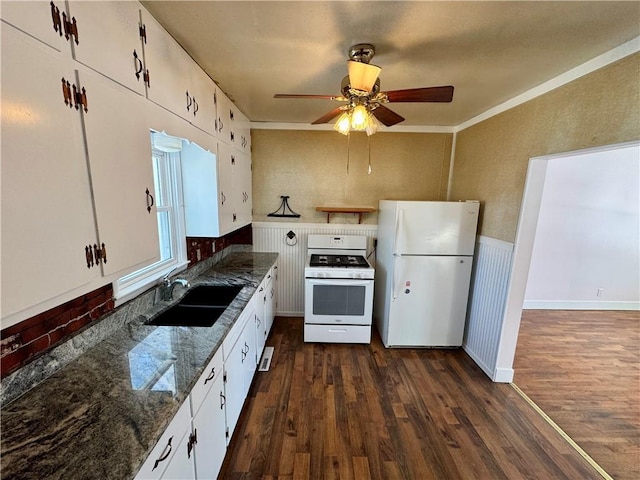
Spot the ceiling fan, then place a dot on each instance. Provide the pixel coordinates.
(361, 90)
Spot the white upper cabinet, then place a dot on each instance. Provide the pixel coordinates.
(40, 19)
(176, 82)
(109, 40)
(203, 92)
(119, 149)
(235, 171)
(47, 213)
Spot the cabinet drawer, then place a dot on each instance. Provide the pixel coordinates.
(236, 330)
(167, 446)
(201, 388)
(337, 334)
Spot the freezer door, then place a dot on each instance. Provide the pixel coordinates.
(429, 301)
(436, 228)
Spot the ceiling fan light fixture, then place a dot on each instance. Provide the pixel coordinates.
(362, 76)
(372, 124)
(359, 118)
(343, 124)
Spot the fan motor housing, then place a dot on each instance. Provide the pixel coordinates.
(362, 52)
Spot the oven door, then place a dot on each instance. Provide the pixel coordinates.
(338, 301)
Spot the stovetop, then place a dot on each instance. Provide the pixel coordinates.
(343, 261)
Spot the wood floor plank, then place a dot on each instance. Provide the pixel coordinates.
(362, 411)
(583, 369)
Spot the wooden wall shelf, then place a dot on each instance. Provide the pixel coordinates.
(357, 210)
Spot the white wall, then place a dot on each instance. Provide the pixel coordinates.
(588, 233)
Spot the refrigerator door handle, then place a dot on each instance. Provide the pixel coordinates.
(397, 241)
(395, 285)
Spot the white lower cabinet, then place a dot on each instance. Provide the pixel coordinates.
(207, 406)
(167, 459)
(237, 357)
(195, 443)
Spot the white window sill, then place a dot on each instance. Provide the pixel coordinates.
(124, 293)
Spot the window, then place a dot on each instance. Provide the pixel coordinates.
(168, 201)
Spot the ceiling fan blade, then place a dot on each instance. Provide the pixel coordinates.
(428, 94)
(362, 76)
(327, 117)
(386, 116)
(339, 98)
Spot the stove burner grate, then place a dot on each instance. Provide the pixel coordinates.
(344, 261)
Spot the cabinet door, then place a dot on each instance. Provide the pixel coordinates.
(108, 36)
(250, 360)
(169, 70)
(119, 149)
(226, 204)
(268, 309)
(209, 427)
(234, 386)
(204, 95)
(181, 465)
(40, 19)
(223, 110)
(242, 132)
(242, 188)
(47, 215)
(169, 445)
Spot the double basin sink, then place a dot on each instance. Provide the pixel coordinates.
(200, 307)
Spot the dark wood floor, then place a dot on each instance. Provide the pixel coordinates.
(583, 369)
(329, 411)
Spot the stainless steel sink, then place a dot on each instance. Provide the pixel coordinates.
(200, 307)
(211, 295)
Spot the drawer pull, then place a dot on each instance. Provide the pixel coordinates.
(337, 330)
(210, 377)
(163, 456)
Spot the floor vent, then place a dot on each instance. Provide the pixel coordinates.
(265, 361)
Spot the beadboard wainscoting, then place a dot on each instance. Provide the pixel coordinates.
(485, 314)
(272, 237)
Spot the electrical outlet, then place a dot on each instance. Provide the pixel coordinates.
(600, 292)
(213, 247)
(198, 255)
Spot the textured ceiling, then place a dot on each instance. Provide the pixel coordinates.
(490, 51)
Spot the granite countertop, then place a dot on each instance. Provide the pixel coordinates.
(101, 415)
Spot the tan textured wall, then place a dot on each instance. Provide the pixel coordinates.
(311, 167)
(491, 157)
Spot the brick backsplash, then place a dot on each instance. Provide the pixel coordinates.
(25, 341)
(202, 246)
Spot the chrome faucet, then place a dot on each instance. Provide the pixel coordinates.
(167, 285)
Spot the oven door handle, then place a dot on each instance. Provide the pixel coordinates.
(341, 281)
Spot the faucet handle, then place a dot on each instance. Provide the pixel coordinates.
(166, 277)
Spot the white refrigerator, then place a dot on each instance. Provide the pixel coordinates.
(423, 271)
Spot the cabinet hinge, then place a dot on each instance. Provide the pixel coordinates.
(80, 98)
(147, 78)
(95, 254)
(70, 28)
(55, 16)
(143, 32)
(224, 377)
(226, 432)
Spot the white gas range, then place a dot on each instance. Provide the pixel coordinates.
(338, 303)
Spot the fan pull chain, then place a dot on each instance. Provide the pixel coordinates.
(348, 140)
(369, 147)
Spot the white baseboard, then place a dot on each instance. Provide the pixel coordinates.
(578, 305)
(503, 375)
(290, 314)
